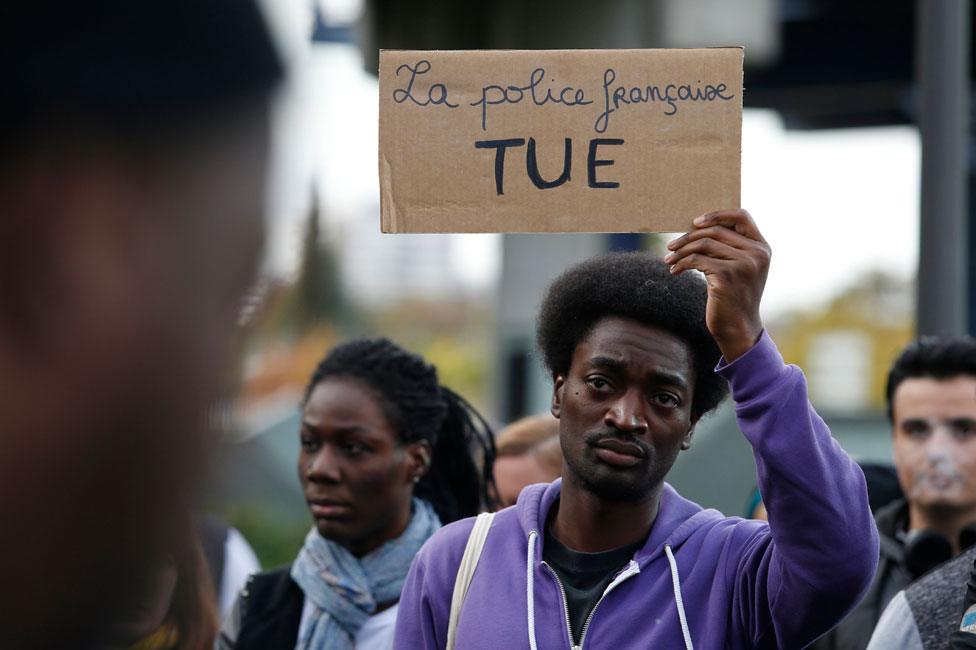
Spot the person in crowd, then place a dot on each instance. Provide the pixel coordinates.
(755, 509)
(387, 456)
(230, 560)
(177, 610)
(133, 148)
(935, 611)
(610, 556)
(526, 452)
(931, 396)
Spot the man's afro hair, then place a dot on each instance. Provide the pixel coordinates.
(640, 287)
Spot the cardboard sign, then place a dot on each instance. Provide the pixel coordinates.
(558, 140)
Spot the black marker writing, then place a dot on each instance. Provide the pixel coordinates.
(532, 163)
(592, 163)
(436, 94)
(670, 94)
(493, 94)
(532, 166)
(499, 146)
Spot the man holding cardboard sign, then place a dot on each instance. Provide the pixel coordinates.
(610, 556)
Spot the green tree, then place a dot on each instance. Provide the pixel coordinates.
(317, 294)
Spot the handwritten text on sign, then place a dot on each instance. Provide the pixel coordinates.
(667, 121)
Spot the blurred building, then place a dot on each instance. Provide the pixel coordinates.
(380, 270)
(846, 346)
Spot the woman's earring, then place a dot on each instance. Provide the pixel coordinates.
(416, 478)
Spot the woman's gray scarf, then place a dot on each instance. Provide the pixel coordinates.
(345, 590)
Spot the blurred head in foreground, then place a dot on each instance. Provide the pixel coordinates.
(133, 146)
(526, 452)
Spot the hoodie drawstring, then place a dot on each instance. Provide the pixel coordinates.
(529, 585)
(530, 592)
(676, 581)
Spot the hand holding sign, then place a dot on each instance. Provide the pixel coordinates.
(729, 249)
(557, 141)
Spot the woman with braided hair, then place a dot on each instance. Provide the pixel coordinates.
(387, 456)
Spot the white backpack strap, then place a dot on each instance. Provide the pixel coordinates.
(469, 562)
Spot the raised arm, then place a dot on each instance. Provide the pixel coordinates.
(798, 579)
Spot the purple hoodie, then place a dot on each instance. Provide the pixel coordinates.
(701, 580)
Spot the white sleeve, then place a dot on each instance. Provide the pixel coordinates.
(896, 628)
(239, 562)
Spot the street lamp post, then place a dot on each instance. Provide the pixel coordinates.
(943, 81)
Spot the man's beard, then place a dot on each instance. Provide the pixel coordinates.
(620, 487)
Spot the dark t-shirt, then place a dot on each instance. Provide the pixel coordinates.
(585, 576)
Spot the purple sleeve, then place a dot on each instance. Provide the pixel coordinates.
(800, 577)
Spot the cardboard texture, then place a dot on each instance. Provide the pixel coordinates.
(558, 140)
